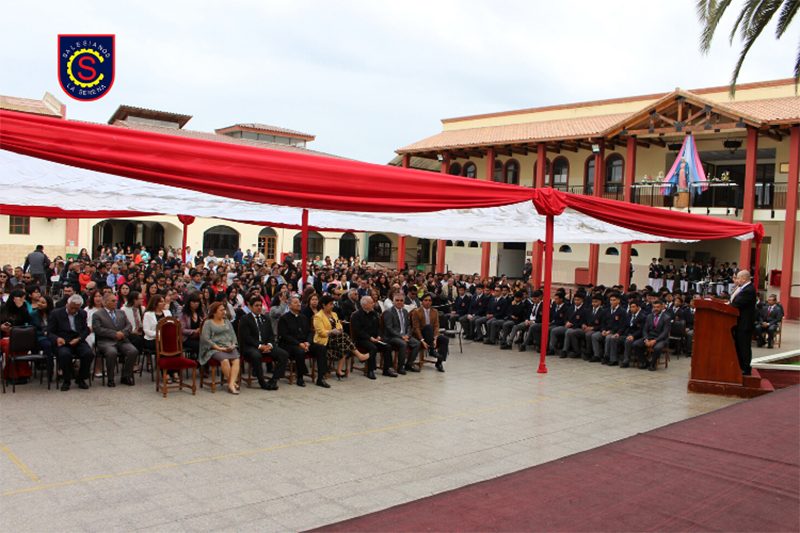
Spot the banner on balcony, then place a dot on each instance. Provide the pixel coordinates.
(687, 172)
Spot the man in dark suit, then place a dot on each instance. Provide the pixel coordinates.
(476, 309)
(613, 323)
(256, 341)
(491, 309)
(744, 299)
(520, 310)
(532, 326)
(769, 321)
(633, 331)
(594, 325)
(348, 305)
(655, 335)
(425, 328)
(573, 328)
(295, 333)
(460, 307)
(68, 331)
(397, 331)
(560, 312)
(366, 333)
(111, 330)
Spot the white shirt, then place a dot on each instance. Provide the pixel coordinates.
(149, 323)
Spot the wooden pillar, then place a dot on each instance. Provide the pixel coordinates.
(749, 193)
(486, 247)
(630, 177)
(538, 183)
(441, 249)
(304, 250)
(790, 223)
(401, 252)
(599, 186)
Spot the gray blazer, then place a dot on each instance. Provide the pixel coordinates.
(105, 330)
(391, 323)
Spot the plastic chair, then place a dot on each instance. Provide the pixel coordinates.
(24, 348)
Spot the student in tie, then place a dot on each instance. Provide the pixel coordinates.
(111, 329)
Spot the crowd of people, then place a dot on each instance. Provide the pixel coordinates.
(239, 308)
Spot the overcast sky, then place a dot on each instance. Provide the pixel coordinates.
(367, 77)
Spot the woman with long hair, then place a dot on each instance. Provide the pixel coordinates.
(311, 305)
(123, 291)
(14, 314)
(191, 321)
(218, 341)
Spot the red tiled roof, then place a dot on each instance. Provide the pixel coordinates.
(772, 110)
(266, 128)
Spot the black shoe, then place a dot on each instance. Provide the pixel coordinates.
(505, 346)
(624, 365)
(613, 363)
(562, 355)
(272, 385)
(522, 348)
(371, 374)
(769, 346)
(595, 360)
(301, 383)
(263, 384)
(411, 368)
(82, 384)
(340, 377)
(440, 367)
(127, 381)
(111, 383)
(65, 386)
(322, 383)
(401, 371)
(651, 367)
(390, 373)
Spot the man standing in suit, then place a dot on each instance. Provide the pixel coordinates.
(744, 299)
(68, 331)
(425, 326)
(111, 330)
(769, 321)
(655, 335)
(396, 329)
(257, 340)
(366, 333)
(296, 335)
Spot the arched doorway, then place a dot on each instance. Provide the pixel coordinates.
(268, 244)
(130, 234)
(380, 248)
(108, 234)
(347, 245)
(224, 240)
(315, 241)
(423, 251)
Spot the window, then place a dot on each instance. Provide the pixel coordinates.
(546, 172)
(588, 176)
(224, 240)
(612, 251)
(512, 172)
(267, 243)
(315, 241)
(634, 252)
(473, 244)
(347, 245)
(423, 251)
(448, 243)
(497, 175)
(19, 225)
(380, 248)
(460, 243)
(470, 170)
(614, 169)
(565, 249)
(560, 173)
(455, 169)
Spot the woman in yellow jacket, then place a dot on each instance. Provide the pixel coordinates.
(328, 332)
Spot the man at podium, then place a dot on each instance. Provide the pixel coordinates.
(744, 299)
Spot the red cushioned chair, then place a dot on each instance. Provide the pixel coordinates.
(169, 356)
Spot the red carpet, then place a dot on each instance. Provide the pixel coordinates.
(736, 469)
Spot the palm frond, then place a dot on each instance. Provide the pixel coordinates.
(758, 20)
(710, 13)
(788, 12)
(745, 15)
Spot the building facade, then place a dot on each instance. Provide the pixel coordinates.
(749, 146)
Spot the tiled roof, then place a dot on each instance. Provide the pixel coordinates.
(221, 138)
(773, 110)
(48, 105)
(125, 111)
(571, 128)
(266, 128)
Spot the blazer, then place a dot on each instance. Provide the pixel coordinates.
(462, 304)
(391, 323)
(537, 318)
(596, 319)
(559, 317)
(365, 325)
(774, 317)
(418, 322)
(105, 330)
(249, 332)
(294, 329)
(616, 320)
(635, 325)
(745, 302)
(579, 315)
(58, 325)
(323, 327)
(660, 331)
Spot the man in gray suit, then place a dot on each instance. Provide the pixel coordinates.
(111, 329)
(396, 329)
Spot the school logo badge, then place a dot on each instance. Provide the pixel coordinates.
(86, 65)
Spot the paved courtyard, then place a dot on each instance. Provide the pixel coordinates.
(126, 459)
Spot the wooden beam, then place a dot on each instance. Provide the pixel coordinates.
(773, 134)
(518, 149)
(570, 147)
(691, 129)
(553, 148)
(502, 151)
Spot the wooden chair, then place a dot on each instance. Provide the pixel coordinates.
(677, 335)
(664, 353)
(776, 339)
(169, 356)
(248, 379)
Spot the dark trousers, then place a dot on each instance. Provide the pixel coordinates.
(403, 349)
(111, 353)
(279, 357)
(373, 350)
(442, 342)
(744, 352)
(317, 351)
(769, 330)
(638, 350)
(67, 353)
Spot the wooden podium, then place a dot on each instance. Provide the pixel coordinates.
(715, 367)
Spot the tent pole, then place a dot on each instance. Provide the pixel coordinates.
(757, 266)
(547, 268)
(183, 242)
(304, 250)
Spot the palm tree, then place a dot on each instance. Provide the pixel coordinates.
(753, 18)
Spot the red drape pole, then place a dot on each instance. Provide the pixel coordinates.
(185, 220)
(630, 177)
(599, 187)
(486, 247)
(790, 223)
(441, 246)
(304, 250)
(749, 194)
(548, 281)
(401, 252)
(538, 183)
(758, 263)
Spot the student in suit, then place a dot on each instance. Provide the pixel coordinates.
(574, 326)
(111, 330)
(594, 326)
(633, 331)
(769, 321)
(425, 328)
(68, 330)
(257, 340)
(655, 335)
(744, 299)
(397, 330)
(531, 328)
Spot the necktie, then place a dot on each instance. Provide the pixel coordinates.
(769, 311)
(427, 316)
(655, 321)
(114, 317)
(258, 327)
(402, 323)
